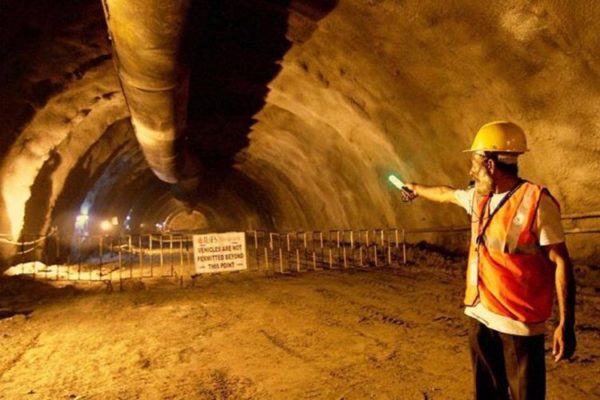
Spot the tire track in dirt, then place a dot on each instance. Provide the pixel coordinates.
(30, 345)
(395, 307)
(366, 310)
(450, 325)
(221, 385)
(281, 344)
(376, 313)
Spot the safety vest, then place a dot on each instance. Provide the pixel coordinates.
(508, 271)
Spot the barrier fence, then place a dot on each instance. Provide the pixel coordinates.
(144, 256)
(147, 256)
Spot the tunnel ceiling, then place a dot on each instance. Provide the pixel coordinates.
(297, 110)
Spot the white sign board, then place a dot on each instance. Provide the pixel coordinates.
(218, 252)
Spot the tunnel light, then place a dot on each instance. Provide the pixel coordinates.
(115, 221)
(81, 224)
(105, 225)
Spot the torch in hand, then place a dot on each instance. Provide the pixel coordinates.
(407, 193)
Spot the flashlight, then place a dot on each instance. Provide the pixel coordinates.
(399, 184)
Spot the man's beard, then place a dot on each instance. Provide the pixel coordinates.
(484, 184)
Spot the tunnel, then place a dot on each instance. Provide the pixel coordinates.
(287, 115)
(285, 118)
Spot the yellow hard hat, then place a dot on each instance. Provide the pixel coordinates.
(500, 137)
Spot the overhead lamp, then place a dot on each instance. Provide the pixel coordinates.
(106, 225)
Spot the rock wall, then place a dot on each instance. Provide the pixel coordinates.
(299, 125)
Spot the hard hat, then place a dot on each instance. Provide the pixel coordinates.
(500, 137)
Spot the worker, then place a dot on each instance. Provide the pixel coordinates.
(517, 257)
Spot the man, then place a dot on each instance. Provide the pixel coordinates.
(517, 258)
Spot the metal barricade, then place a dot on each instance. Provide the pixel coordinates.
(156, 255)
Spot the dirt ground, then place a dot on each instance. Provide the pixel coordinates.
(375, 334)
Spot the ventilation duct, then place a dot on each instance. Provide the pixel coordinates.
(147, 45)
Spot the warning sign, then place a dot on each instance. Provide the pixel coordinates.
(218, 252)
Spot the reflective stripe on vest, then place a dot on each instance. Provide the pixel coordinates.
(509, 244)
(508, 272)
(517, 223)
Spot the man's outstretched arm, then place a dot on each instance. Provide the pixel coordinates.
(440, 194)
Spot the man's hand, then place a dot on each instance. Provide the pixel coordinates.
(564, 343)
(410, 194)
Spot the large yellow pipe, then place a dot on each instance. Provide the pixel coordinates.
(147, 37)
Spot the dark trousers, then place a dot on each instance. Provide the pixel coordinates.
(507, 366)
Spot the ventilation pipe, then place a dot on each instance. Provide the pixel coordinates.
(147, 47)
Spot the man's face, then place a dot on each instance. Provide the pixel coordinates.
(484, 183)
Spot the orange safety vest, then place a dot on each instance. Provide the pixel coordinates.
(508, 270)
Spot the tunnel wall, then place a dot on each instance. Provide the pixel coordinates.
(384, 86)
(362, 89)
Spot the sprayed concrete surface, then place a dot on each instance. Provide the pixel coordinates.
(386, 334)
(298, 111)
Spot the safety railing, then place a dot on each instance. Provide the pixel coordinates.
(285, 252)
(147, 256)
(101, 258)
(32, 248)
